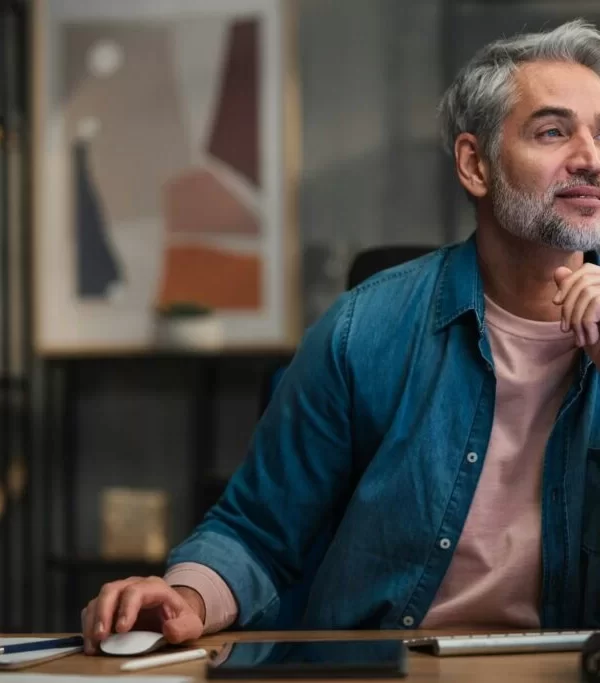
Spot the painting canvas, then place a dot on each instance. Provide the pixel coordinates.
(164, 181)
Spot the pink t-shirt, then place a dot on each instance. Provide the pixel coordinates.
(495, 575)
(494, 578)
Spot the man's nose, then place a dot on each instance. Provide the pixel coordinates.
(586, 155)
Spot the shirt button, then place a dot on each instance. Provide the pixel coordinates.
(408, 621)
(472, 457)
(445, 543)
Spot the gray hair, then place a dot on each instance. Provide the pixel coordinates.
(484, 91)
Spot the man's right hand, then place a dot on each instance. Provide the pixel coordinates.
(148, 604)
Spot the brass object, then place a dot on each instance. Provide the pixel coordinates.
(14, 487)
(134, 524)
(16, 478)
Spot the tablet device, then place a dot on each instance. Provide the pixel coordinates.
(367, 659)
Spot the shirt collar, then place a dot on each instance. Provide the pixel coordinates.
(460, 288)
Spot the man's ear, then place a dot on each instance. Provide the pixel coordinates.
(472, 169)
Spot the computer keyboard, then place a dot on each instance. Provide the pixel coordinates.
(500, 643)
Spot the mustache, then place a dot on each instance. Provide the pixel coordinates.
(576, 181)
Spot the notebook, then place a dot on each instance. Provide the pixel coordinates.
(25, 659)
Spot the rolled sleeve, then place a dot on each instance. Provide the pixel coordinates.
(221, 608)
(243, 577)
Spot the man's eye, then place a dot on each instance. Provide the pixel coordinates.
(551, 133)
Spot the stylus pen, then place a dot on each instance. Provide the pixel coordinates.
(32, 646)
(163, 660)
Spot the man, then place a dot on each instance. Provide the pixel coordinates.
(438, 432)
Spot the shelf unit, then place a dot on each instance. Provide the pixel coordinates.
(71, 574)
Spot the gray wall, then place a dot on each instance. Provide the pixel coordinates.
(370, 84)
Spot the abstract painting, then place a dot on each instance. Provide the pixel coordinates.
(164, 145)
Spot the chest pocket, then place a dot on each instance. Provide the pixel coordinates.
(590, 545)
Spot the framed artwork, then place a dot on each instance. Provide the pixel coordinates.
(166, 159)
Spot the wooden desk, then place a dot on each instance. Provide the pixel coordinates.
(542, 668)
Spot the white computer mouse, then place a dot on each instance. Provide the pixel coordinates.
(132, 643)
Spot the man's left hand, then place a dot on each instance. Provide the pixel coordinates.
(579, 297)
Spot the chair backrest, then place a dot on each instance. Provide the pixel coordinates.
(371, 261)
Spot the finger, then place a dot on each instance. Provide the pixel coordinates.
(561, 274)
(565, 278)
(187, 626)
(146, 593)
(592, 332)
(578, 288)
(590, 320)
(88, 619)
(166, 612)
(107, 605)
(579, 335)
(581, 308)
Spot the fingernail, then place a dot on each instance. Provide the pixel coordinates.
(557, 298)
(122, 621)
(563, 325)
(99, 629)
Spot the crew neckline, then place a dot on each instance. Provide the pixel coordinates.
(500, 318)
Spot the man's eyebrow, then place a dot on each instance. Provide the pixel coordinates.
(558, 112)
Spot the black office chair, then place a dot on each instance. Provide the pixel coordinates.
(372, 261)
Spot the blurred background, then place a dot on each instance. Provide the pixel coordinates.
(109, 456)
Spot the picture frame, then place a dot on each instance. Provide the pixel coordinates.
(166, 157)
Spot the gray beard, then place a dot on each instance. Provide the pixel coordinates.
(534, 219)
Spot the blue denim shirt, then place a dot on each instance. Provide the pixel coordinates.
(358, 470)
